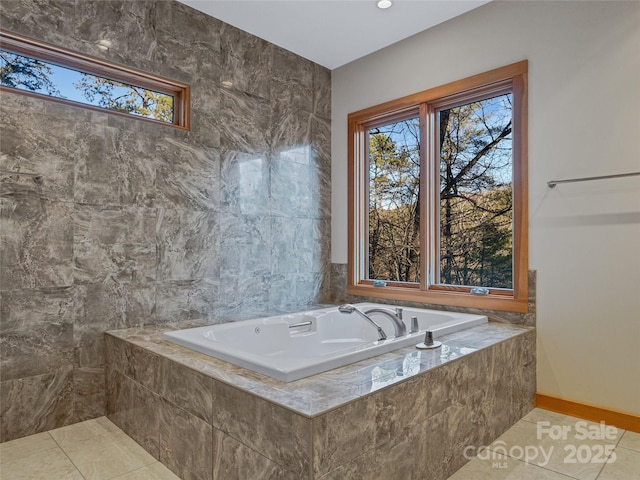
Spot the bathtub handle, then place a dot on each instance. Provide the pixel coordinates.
(301, 324)
(414, 325)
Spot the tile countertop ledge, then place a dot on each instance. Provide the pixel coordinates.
(315, 395)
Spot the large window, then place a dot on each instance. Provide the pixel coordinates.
(35, 68)
(438, 201)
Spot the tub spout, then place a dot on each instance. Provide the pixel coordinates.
(352, 309)
(396, 318)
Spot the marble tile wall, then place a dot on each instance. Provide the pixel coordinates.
(414, 429)
(134, 223)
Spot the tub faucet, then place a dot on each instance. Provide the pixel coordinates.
(351, 309)
(396, 318)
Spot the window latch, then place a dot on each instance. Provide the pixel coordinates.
(480, 291)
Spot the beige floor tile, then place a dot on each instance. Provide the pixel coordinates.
(521, 434)
(85, 430)
(155, 471)
(562, 462)
(488, 466)
(626, 466)
(630, 440)
(582, 458)
(493, 466)
(106, 456)
(579, 426)
(43, 465)
(23, 447)
(572, 455)
(540, 415)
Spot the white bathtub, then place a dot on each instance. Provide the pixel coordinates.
(331, 340)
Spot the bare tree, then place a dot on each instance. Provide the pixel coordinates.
(475, 228)
(126, 98)
(30, 74)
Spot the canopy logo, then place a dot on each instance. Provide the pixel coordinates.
(583, 442)
(581, 431)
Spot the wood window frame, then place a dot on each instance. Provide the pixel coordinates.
(62, 57)
(512, 77)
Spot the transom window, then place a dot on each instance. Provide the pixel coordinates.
(34, 68)
(438, 195)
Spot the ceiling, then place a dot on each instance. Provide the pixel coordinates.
(333, 32)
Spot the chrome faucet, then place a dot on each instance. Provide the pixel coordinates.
(351, 309)
(396, 318)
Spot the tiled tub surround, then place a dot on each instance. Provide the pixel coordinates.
(405, 414)
(134, 223)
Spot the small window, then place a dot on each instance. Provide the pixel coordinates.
(394, 188)
(438, 201)
(34, 68)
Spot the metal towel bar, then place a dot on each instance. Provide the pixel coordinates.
(553, 183)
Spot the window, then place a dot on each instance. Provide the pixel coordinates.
(35, 68)
(438, 195)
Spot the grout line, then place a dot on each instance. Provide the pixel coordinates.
(602, 467)
(67, 455)
(616, 447)
(628, 449)
(5, 463)
(109, 437)
(131, 471)
(533, 465)
(563, 474)
(545, 468)
(525, 419)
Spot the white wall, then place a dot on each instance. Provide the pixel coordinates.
(584, 119)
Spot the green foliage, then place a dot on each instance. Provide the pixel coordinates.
(477, 249)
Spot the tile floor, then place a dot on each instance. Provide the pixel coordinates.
(95, 449)
(536, 448)
(98, 450)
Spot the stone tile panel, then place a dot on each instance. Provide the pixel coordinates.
(35, 404)
(279, 434)
(190, 390)
(234, 461)
(185, 442)
(36, 331)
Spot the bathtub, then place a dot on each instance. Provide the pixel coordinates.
(298, 345)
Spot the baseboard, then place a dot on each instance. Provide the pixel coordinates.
(626, 421)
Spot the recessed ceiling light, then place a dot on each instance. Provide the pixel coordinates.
(384, 4)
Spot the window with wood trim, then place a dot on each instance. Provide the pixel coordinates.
(438, 195)
(34, 68)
